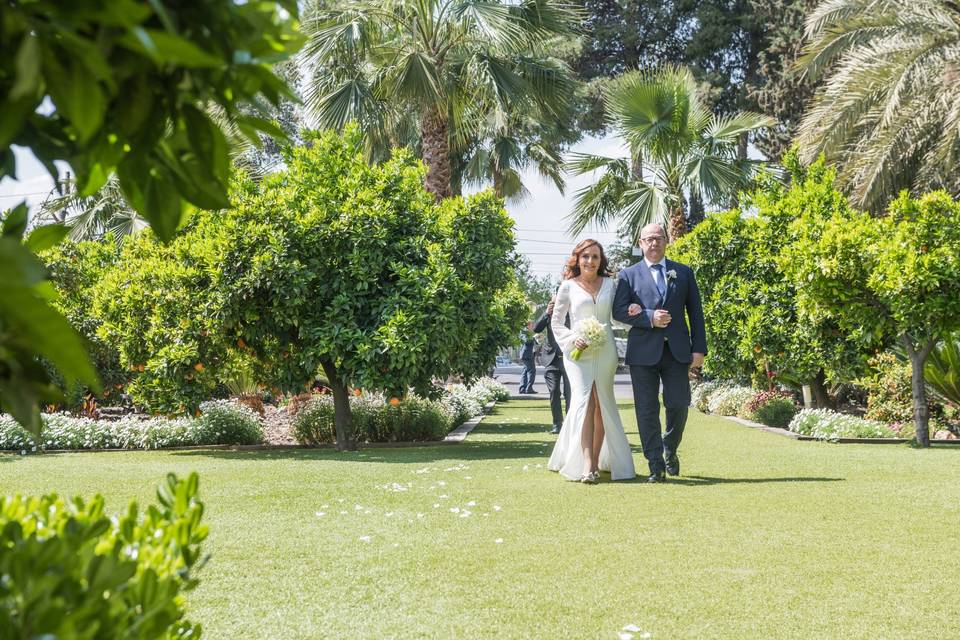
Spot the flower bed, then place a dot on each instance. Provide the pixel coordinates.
(824, 424)
(219, 422)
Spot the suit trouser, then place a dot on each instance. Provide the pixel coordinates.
(557, 381)
(528, 376)
(646, 381)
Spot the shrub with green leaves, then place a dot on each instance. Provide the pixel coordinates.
(313, 422)
(772, 408)
(67, 570)
(227, 422)
(729, 402)
(375, 419)
(830, 425)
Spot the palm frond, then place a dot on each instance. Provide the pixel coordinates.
(599, 203)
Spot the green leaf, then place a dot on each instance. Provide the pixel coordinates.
(166, 48)
(45, 237)
(15, 222)
(27, 62)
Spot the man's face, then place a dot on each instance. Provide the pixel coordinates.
(653, 242)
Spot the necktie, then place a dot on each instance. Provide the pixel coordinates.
(658, 279)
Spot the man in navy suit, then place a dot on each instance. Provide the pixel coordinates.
(661, 346)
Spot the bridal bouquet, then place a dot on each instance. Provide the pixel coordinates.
(591, 331)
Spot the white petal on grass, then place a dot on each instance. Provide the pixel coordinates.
(646, 634)
(358, 507)
(498, 541)
(343, 513)
(388, 514)
(465, 514)
(364, 538)
(320, 514)
(632, 628)
(436, 505)
(496, 507)
(623, 635)
(443, 496)
(454, 509)
(420, 515)
(472, 503)
(442, 483)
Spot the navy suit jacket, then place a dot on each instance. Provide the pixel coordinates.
(645, 342)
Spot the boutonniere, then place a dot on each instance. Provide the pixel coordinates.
(671, 274)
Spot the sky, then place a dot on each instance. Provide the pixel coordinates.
(541, 228)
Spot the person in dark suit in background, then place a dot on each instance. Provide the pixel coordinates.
(554, 374)
(528, 346)
(661, 348)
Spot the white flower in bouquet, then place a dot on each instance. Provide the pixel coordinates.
(591, 331)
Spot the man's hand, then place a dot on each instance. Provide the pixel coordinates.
(661, 318)
(550, 306)
(634, 309)
(697, 360)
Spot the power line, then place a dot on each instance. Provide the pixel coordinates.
(24, 195)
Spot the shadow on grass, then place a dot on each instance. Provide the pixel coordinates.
(700, 481)
(425, 453)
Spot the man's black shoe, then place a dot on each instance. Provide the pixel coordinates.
(673, 465)
(656, 476)
(555, 430)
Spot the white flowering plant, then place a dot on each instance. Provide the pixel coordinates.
(591, 331)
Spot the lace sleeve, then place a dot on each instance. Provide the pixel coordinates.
(565, 337)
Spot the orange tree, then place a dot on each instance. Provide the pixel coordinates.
(329, 265)
(895, 276)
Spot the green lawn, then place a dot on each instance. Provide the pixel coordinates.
(765, 538)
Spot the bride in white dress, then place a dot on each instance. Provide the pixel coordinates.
(592, 436)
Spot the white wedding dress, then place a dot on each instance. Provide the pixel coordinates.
(596, 366)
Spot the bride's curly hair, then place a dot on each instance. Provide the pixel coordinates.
(573, 262)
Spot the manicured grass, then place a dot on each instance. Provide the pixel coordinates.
(763, 537)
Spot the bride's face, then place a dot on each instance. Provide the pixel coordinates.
(590, 261)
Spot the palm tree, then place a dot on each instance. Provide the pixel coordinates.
(685, 149)
(450, 65)
(888, 112)
(94, 217)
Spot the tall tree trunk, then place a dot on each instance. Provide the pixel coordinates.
(342, 418)
(821, 397)
(741, 155)
(436, 153)
(678, 222)
(921, 411)
(697, 210)
(636, 166)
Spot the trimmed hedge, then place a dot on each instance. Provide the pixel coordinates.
(412, 419)
(772, 408)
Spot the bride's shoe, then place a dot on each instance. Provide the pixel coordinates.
(590, 478)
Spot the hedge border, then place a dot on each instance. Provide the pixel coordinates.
(456, 436)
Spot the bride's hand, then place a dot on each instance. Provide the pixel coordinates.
(581, 344)
(634, 309)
